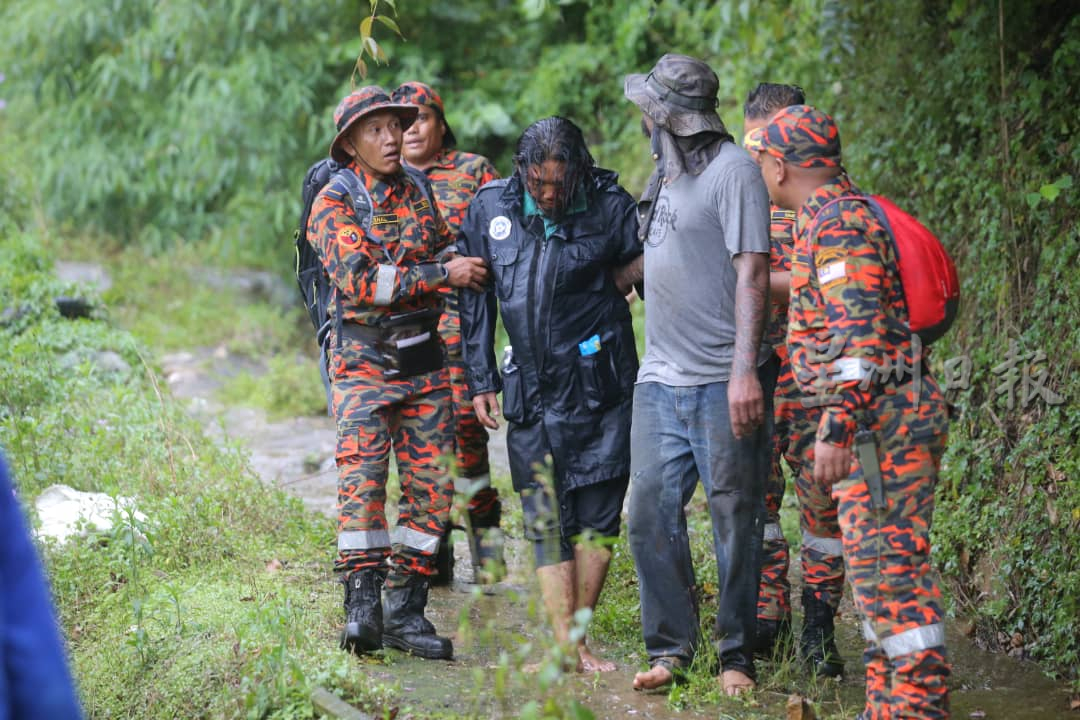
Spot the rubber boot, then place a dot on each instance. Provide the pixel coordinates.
(817, 646)
(363, 630)
(406, 628)
(444, 562)
(486, 550)
(775, 639)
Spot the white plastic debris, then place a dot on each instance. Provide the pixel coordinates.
(65, 511)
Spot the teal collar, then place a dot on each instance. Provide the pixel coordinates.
(530, 208)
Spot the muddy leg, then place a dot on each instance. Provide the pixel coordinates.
(592, 567)
(557, 587)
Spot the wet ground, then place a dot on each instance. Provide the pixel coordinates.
(298, 454)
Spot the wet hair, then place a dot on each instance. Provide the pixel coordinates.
(559, 139)
(767, 98)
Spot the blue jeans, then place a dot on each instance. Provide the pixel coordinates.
(678, 435)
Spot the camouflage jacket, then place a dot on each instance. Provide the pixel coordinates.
(781, 246)
(455, 177)
(392, 267)
(847, 323)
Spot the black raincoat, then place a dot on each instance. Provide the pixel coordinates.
(563, 400)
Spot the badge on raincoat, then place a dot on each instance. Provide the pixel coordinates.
(499, 227)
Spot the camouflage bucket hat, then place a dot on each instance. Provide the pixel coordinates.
(418, 93)
(803, 135)
(363, 102)
(679, 94)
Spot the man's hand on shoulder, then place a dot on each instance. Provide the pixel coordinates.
(466, 272)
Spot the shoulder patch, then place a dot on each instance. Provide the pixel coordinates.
(833, 272)
(827, 256)
(349, 237)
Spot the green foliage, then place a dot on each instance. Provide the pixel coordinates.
(159, 121)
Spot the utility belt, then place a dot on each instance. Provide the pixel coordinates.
(408, 342)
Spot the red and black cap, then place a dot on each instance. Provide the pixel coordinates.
(418, 93)
(804, 136)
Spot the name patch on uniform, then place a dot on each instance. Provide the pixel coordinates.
(388, 219)
(499, 227)
(832, 272)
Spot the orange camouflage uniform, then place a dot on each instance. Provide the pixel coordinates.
(391, 268)
(854, 356)
(455, 177)
(795, 426)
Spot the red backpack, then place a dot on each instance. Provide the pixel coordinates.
(927, 273)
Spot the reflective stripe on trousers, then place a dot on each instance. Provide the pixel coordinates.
(830, 547)
(363, 539)
(416, 540)
(909, 641)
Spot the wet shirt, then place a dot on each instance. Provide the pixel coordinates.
(699, 223)
(781, 246)
(455, 177)
(393, 266)
(847, 323)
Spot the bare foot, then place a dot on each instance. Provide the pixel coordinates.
(656, 677)
(735, 682)
(590, 663)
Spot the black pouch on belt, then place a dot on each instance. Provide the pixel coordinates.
(411, 345)
(866, 452)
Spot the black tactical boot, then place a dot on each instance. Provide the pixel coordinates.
(817, 646)
(363, 630)
(444, 562)
(486, 550)
(406, 628)
(775, 639)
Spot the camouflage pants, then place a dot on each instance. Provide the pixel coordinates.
(414, 418)
(470, 437)
(887, 555)
(821, 555)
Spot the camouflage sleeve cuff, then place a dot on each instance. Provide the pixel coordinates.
(837, 427)
(432, 274)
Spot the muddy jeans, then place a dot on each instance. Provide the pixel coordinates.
(679, 434)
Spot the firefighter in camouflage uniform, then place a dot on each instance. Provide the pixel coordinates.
(883, 421)
(390, 387)
(793, 440)
(429, 146)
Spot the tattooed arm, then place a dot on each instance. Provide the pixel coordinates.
(746, 400)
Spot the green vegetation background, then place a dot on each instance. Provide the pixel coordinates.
(182, 129)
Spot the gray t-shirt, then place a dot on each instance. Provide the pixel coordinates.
(699, 224)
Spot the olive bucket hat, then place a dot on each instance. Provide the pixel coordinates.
(363, 102)
(679, 94)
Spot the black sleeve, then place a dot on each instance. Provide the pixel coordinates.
(625, 228)
(478, 310)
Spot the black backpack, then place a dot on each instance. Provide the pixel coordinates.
(316, 290)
